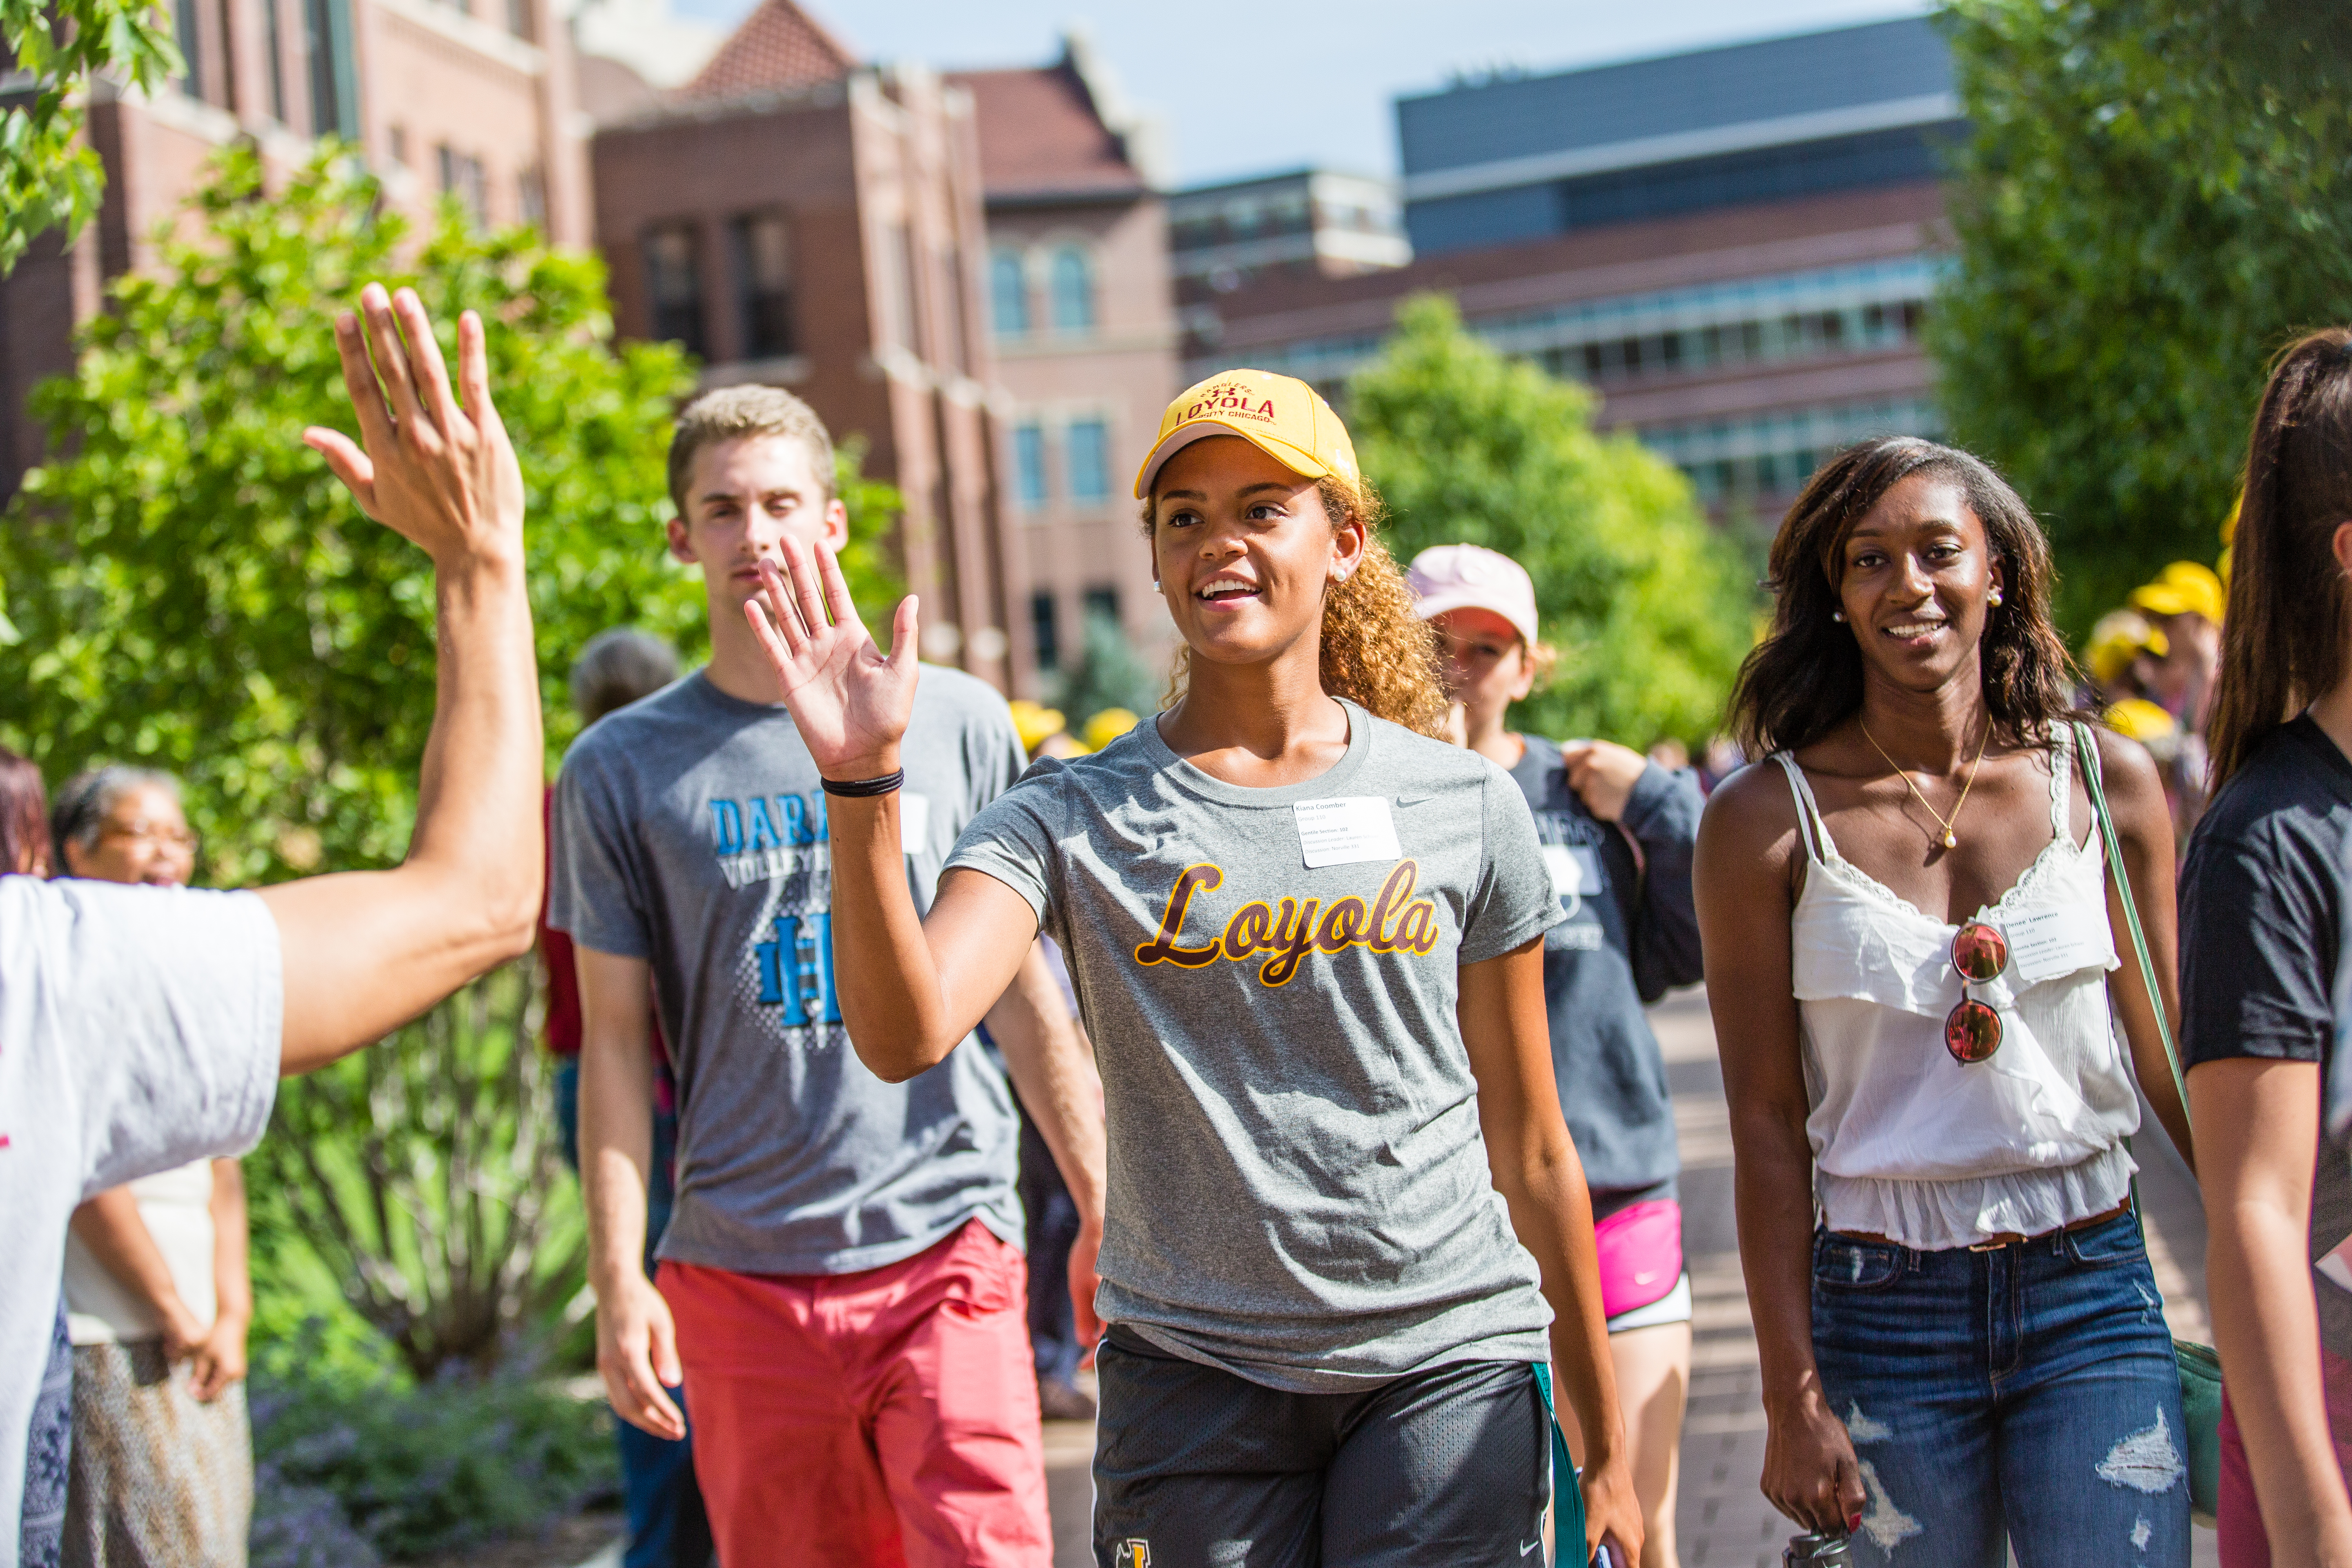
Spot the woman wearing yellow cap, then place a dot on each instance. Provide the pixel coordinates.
(1345, 1217)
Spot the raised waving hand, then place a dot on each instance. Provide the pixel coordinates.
(850, 701)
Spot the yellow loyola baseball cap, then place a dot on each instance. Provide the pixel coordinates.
(1279, 415)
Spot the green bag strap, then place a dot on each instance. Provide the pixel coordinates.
(2086, 754)
(1567, 1497)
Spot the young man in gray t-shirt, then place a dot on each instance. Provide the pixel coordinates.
(841, 1291)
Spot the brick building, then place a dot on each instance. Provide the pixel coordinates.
(473, 97)
(797, 219)
(1736, 246)
(1084, 340)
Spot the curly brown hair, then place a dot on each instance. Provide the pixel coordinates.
(1376, 652)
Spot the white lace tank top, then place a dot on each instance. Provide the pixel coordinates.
(1911, 1145)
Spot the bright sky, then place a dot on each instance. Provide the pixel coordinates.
(1313, 80)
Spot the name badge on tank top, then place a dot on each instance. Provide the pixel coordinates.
(1345, 829)
(2057, 942)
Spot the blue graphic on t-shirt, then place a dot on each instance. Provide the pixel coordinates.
(743, 826)
(796, 968)
(771, 839)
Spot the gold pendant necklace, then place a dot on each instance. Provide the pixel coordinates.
(1951, 839)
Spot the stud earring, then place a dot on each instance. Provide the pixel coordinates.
(1838, 616)
(1993, 598)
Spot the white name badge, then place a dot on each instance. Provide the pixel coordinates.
(2057, 942)
(914, 823)
(1346, 829)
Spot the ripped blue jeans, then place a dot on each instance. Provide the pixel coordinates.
(2025, 1394)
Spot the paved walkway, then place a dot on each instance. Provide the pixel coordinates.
(1721, 1519)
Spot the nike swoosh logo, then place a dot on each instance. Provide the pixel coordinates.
(1416, 800)
(1534, 1546)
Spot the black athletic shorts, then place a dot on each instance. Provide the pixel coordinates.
(1198, 1469)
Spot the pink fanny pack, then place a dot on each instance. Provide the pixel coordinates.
(1641, 1254)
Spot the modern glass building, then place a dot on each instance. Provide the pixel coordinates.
(1735, 247)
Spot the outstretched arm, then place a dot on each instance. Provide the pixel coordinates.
(364, 952)
(1536, 1168)
(910, 988)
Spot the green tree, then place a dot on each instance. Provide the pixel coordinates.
(192, 590)
(2156, 196)
(47, 174)
(1643, 598)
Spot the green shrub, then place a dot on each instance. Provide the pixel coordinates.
(355, 1465)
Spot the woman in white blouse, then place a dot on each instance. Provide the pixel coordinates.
(1910, 957)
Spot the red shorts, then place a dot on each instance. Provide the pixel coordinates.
(872, 1420)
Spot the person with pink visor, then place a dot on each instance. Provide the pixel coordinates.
(1618, 833)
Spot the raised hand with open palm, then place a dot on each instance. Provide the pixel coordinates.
(850, 701)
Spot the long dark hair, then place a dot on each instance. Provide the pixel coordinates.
(2283, 638)
(24, 817)
(1803, 679)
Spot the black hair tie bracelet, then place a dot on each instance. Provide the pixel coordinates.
(861, 788)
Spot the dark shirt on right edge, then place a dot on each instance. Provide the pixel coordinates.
(1631, 932)
(2261, 902)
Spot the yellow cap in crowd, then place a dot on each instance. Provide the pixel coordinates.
(2120, 637)
(1107, 726)
(1279, 415)
(2183, 588)
(2138, 718)
(1036, 722)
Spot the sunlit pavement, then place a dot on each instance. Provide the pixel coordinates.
(1720, 1518)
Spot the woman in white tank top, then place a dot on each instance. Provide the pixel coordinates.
(1962, 1348)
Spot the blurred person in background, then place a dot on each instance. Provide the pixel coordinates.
(667, 1527)
(2128, 659)
(158, 1296)
(2263, 923)
(1051, 1213)
(2185, 603)
(24, 852)
(1617, 832)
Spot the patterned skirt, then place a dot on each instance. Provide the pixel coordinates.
(158, 1480)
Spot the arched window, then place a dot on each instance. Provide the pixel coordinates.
(1008, 293)
(1073, 281)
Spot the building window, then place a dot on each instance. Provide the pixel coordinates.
(327, 50)
(184, 33)
(274, 48)
(519, 20)
(764, 282)
(531, 186)
(396, 140)
(463, 178)
(898, 326)
(1089, 460)
(1102, 603)
(1045, 631)
(1029, 467)
(1008, 293)
(1073, 278)
(673, 285)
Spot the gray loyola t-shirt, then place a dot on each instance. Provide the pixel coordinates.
(689, 832)
(1298, 1190)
